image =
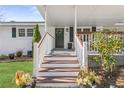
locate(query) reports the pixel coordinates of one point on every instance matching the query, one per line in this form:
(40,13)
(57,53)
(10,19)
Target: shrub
(107,44)
(87,78)
(22,79)
(12,56)
(3,57)
(36,35)
(19,53)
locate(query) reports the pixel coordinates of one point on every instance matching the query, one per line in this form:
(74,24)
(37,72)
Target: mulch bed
(112,80)
(17,59)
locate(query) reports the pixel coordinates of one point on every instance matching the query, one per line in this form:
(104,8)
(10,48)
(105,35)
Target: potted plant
(87,79)
(23,80)
(19,53)
(12,56)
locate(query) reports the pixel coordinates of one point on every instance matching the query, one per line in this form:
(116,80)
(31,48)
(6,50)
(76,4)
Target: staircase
(120,77)
(59,69)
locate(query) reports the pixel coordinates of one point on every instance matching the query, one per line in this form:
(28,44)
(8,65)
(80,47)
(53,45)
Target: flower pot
(19,54)
(11,56)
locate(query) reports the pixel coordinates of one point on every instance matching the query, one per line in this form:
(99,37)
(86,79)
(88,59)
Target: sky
(20,13)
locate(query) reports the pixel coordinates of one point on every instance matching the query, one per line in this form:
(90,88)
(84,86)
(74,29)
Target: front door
(59,35)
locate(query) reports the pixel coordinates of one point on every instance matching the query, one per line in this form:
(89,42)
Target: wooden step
(57,79)
(55,55)
(58,74)
(60,62)
(60,65)
(57,85)
(59,69)
(60,58)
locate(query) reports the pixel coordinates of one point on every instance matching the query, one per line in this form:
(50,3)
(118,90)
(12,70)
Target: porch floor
(59,69)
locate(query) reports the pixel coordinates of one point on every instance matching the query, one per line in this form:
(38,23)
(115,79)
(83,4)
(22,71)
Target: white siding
(11,45)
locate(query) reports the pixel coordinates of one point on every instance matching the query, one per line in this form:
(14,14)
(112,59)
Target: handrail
(44,38)
(80,42)
(81,51)
(90,37)
(120,32)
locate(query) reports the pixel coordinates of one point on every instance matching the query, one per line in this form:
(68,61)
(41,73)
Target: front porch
(59,68)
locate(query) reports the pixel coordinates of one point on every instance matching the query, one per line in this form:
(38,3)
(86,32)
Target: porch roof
(101,15)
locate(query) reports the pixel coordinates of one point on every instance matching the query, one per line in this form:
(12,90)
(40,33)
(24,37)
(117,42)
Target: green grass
(7,72)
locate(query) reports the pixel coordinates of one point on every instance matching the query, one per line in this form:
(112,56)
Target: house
(61,53)
(17,36)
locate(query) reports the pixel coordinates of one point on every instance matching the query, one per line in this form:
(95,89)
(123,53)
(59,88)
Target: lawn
(7,72)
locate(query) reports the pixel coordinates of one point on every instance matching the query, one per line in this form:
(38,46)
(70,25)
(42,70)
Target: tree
(36,35)
(107,44)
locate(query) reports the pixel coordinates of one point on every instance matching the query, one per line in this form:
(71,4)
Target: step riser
(58,74)
(59,70)
(60,58)
(56,85)
(61,62)
(60,65)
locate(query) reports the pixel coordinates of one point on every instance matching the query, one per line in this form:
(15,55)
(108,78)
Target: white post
(75,25)
(46,27)
(84,55)
(45,19)
(35,60)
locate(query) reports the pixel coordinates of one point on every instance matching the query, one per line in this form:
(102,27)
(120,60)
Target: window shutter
(13,32)
(71,34)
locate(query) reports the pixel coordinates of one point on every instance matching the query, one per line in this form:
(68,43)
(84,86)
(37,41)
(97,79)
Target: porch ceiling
(101,15)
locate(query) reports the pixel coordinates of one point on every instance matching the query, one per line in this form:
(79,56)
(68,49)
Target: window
(13,32)
(21,32)
(86,30)
(78,29)
(29,32)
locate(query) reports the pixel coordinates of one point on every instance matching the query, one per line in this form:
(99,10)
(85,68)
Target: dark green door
(59,35)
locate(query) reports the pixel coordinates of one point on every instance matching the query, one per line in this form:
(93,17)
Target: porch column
(75,19)
(75,26)
(45,18)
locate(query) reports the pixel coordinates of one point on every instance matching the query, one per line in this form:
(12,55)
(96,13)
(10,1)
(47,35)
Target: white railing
(89,37)
(41,49)
(81,52)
